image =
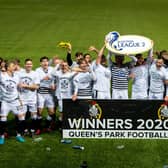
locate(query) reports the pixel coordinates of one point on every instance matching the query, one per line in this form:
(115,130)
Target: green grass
(32,28)
(98,153)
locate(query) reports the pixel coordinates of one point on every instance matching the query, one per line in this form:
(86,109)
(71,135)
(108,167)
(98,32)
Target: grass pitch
(32,28)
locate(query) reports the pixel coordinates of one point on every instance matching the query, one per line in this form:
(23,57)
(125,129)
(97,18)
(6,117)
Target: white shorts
(84,97)
(139,95)
(31,107)
(101,95)
(14,107)
(119,94)
(156,96)
(45,100)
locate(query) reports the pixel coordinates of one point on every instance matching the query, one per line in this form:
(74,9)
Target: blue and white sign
(127,44)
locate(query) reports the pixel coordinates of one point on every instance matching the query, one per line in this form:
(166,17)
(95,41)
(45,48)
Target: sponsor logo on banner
(163,112)
(95,110)
(127,44)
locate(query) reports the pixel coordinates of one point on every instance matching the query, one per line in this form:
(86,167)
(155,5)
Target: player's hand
(22,85)
(46,78)
(69,47)
(152,42)
(74,97)
(166,98)
(132,75)
(52,87)
(92,48)
(105,41)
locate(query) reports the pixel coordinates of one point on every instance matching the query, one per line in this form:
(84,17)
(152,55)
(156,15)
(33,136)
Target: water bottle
(78,147)
(120,147)
(165,166)
(66,141)
(84,165)
(48,149)
(37,139)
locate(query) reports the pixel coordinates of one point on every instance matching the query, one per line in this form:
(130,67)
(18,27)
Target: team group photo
(107,59)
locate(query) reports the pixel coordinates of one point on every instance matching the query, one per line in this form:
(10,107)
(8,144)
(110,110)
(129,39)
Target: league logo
(127,44)
(111,38)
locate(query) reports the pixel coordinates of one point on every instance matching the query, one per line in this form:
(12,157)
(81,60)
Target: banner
(127,44)
(139,119)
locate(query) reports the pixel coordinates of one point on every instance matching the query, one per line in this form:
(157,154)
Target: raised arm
(150,57)
(133,61)
(93,48)
(69,51)
(100,54)
(109,61)
(75,93)
(92,74)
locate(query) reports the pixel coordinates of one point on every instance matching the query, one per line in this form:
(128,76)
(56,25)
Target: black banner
(115,119)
